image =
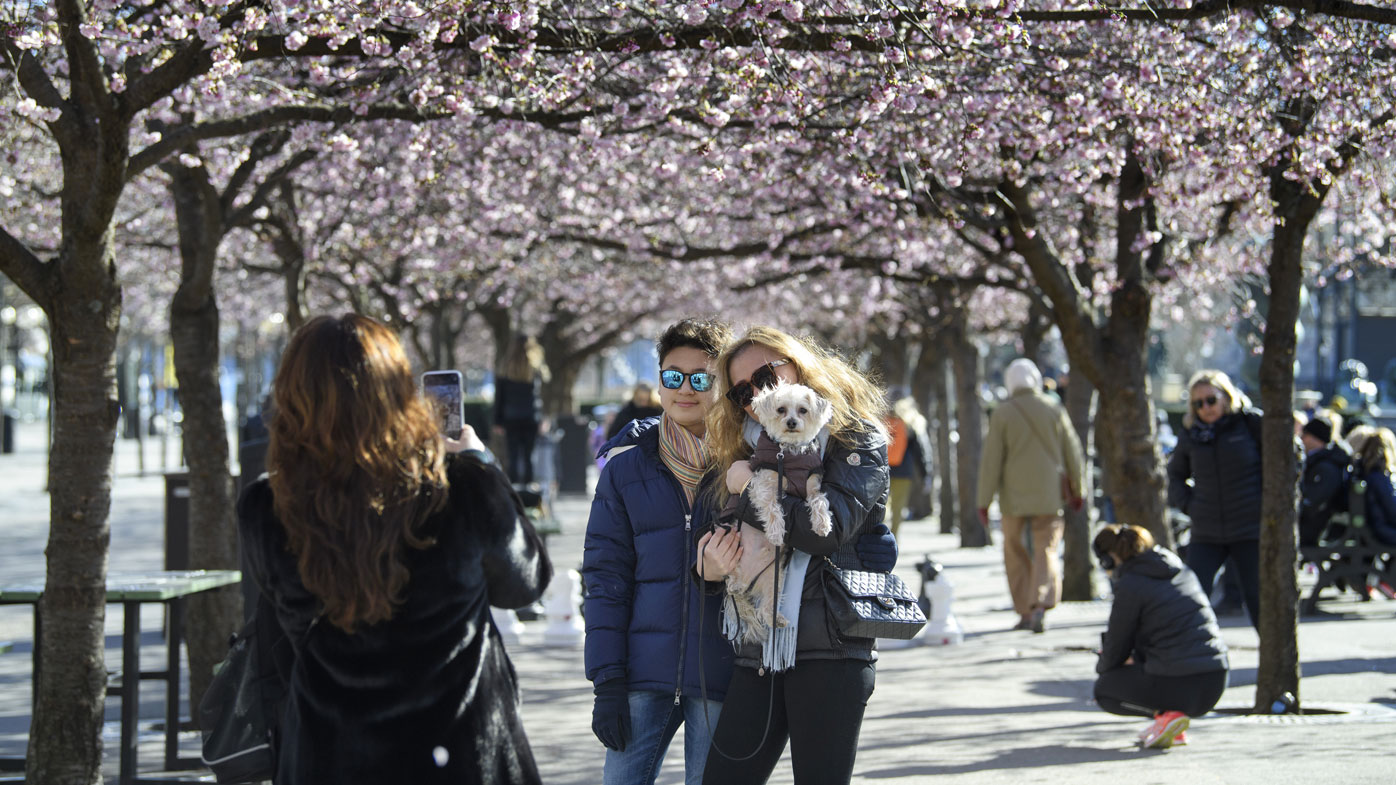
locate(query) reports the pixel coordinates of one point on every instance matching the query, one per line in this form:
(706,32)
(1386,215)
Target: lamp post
(8,370)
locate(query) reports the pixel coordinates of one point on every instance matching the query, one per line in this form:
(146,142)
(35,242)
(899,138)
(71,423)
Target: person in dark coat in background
(1323,486)
(1162,655)
(381,554)
(1374,457)
(517,408)
(643,404)
(1214,478)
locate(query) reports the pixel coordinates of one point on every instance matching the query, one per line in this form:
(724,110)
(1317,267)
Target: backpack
(237,713)
(241,708)
(897,440)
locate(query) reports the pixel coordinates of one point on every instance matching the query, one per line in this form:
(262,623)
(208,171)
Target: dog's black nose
(792,424)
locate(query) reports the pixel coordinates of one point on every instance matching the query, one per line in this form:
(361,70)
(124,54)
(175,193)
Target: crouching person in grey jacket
(1162,655)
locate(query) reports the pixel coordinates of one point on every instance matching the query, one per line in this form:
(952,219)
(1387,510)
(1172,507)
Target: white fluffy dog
(791,416)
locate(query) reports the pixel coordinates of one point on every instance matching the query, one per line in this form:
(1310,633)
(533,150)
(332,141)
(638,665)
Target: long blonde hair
(524,360)
(857,402)
(1374,447)
(1233,400)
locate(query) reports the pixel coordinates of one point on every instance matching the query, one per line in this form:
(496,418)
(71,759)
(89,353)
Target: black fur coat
(429,696)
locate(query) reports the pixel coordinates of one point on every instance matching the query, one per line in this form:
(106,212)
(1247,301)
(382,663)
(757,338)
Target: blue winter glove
(610,717)
(877,549)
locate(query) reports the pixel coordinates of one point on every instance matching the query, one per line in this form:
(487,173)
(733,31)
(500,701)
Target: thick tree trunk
(1278,671)
(1138,482)
(1078,576)
(919,502)
(557,391)
(969,421)
(1034,332)
(1113,355)
(213,545)
(890,361)
(944,463)
(65,743)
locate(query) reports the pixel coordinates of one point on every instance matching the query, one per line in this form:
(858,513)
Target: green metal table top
(157,586)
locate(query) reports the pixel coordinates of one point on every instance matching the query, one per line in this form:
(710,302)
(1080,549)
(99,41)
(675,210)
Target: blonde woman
(816,698)
(1219,450)
(1374,451)
(517,413)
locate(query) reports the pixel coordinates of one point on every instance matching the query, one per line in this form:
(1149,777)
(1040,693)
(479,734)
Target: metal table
(132,590)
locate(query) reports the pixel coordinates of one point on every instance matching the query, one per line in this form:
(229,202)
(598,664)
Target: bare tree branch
(28,271)
(243,215)
(267,118)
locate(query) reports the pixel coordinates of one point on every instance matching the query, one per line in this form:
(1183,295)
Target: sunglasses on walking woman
(762,378)
(1198,403)
(701,381)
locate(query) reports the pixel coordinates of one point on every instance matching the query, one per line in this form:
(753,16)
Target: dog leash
(775,606)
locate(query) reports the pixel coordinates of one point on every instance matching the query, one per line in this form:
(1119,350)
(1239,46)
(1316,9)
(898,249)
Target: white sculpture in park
(562,607)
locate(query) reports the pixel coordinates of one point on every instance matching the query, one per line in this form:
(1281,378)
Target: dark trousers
(519,436)
(817,706)
(1129,691)
(1205,558)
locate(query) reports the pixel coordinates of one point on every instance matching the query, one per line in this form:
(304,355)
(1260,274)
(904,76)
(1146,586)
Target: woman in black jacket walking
(381,556)
(1219,452)
(1162,655)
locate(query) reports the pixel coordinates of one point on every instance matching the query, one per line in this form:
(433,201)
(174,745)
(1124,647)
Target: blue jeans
(653,720)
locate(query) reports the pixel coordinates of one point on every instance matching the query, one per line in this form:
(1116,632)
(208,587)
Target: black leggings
(519,436)
(1129,691)
(1206,558)
(817,705)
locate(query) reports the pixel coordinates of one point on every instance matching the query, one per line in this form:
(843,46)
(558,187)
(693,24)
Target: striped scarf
(686,455)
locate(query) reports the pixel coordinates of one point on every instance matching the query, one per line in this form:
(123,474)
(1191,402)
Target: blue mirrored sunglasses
(701,381)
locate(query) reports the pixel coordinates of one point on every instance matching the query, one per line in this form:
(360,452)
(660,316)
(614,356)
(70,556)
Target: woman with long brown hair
(381,550)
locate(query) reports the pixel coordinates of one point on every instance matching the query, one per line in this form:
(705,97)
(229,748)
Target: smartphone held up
(444,390)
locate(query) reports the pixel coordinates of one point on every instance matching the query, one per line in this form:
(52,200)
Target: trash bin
(7,431)
(177,521)
(574,454)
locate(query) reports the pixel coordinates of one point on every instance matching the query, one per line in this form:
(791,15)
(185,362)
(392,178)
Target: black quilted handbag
(872,604)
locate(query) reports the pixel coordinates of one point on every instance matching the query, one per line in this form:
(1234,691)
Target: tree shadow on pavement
(1007,759)
(1241,677)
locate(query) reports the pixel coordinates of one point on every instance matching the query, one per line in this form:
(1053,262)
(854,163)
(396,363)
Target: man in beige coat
(1032,461)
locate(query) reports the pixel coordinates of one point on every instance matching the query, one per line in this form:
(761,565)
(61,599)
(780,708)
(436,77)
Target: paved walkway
(1003,707)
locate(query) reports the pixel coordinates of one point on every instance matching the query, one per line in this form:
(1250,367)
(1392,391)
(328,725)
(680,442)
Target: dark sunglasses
(701,381)
(1198,403)
(762,378)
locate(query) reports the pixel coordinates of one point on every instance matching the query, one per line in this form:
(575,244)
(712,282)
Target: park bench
(1348,555)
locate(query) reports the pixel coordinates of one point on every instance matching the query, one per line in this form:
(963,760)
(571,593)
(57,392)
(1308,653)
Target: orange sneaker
(1167,725)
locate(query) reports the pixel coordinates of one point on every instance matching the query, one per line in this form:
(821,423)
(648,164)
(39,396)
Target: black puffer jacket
(856,483)
(428,696)
(1223,463)
(1322,490)
(1161,618)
